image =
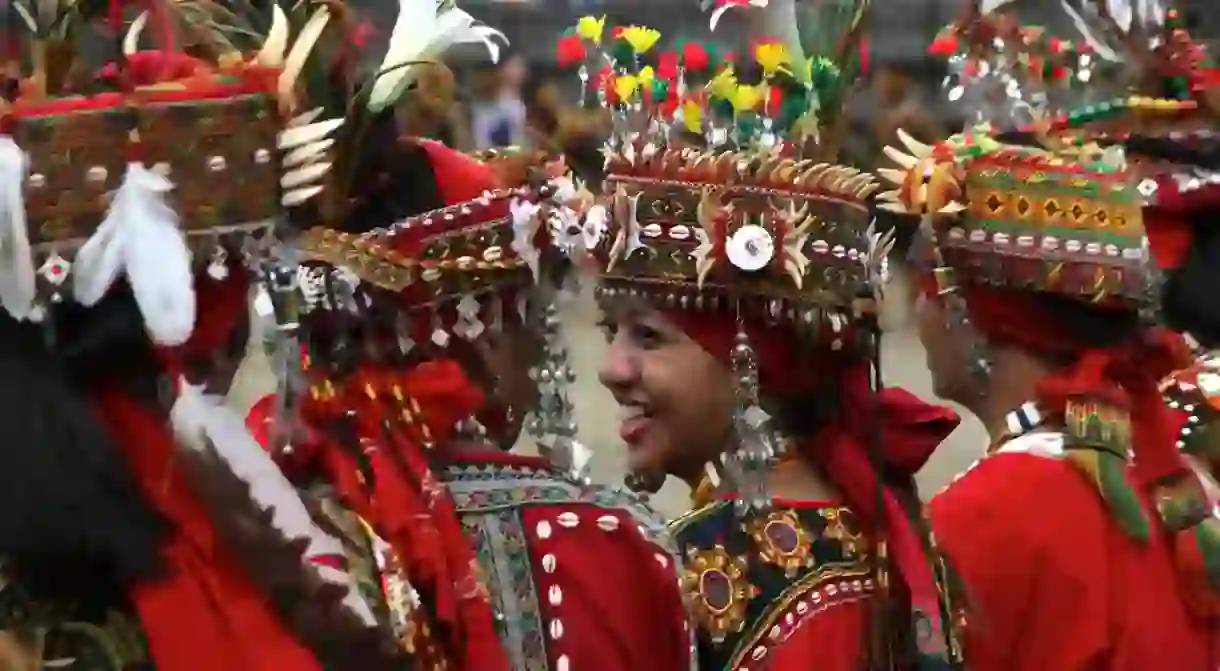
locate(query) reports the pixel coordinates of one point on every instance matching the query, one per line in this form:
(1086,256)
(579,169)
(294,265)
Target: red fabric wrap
(221,305)
(204,614)
(1126,376)
(1169,224)
(908,431)
(410,508)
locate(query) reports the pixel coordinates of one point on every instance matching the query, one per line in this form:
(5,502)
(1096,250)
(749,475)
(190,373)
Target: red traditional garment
(906,432)
(1052,580)
(582,546)
(204,614)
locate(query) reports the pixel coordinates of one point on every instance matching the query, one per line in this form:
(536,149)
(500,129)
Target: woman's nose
(619,367)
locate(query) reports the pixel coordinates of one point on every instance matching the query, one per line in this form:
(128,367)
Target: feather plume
(310,607)
(1090,36)
(18,283)
(423,31)
(140,238)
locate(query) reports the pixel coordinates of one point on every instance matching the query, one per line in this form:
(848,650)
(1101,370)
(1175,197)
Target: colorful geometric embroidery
(490,499)
(751,584)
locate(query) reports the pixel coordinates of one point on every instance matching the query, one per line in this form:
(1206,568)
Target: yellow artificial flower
(692,116)
(640,38)
(772,57)
(723,84)
(746,98)
(591,28)
(625,87)
(647,74)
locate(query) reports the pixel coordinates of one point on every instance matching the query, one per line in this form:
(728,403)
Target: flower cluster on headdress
(1018,75)
(697,88)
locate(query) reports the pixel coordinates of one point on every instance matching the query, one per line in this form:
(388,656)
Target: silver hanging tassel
(280,284)
(749,462)
(554,422)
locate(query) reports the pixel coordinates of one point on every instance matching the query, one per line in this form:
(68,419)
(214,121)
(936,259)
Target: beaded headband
(697,223)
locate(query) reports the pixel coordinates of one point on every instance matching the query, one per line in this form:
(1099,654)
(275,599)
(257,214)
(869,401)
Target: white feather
(131,41)
(140,237)
(989,6)
(200,419)
(424,31)
(18,281)
(1086,32)
(1121,12)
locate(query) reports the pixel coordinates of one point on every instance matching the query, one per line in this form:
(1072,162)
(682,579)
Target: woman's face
(507,357)
(675,399)
(945,347)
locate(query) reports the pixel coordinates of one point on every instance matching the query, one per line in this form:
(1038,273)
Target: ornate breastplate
(750,583)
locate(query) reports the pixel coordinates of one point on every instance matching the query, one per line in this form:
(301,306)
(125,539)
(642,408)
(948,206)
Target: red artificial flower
(864,56)
(667,65)
(695,56)
(605,82)
(775,102)
(1055,45)
(943,46)
(569,51)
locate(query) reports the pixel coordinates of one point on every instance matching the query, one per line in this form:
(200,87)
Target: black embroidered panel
(750,583)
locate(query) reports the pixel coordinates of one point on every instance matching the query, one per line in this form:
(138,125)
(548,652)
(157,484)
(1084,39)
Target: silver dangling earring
(749,462)
(470,429)
(553,424)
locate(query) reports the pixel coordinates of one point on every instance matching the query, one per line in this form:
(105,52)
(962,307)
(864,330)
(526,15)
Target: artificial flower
(625,87)
(692,116)
(745,98)
(646,75)
(695,56)
(772,57)
(667,65)
(570,51)
(591,28)
(723,84)
(640,38)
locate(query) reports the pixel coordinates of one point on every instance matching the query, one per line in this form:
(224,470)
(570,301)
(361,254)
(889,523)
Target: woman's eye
(608,328)
(645,336)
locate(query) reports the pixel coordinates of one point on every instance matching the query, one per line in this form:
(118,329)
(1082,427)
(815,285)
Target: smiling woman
(738,291)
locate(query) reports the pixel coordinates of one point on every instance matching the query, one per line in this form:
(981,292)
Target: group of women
(370,513)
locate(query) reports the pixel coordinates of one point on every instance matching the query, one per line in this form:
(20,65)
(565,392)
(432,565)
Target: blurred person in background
(497,111)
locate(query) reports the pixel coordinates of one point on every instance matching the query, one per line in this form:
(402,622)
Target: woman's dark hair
(65,489)
(1093,327)
(1190,300)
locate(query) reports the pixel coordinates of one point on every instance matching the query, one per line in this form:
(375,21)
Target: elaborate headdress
(1089,210)
(727,212)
